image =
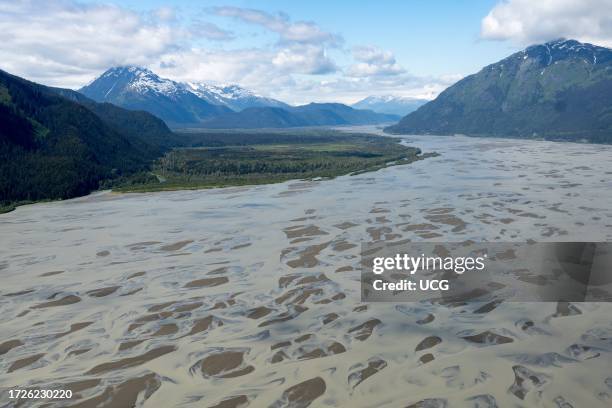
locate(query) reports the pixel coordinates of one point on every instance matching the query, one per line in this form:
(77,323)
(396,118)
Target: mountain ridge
(390,104)
(559,90)
(313,114)
(233,96)
(138,88)
(201,105)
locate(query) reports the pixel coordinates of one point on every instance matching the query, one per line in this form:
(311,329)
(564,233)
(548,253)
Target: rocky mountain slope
(559,90)
(138,88)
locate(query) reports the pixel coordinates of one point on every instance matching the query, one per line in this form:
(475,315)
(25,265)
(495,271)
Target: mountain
(138,125)
(53,146)
(314,114)
(394,105)
(256,118)
(233,96)
(138,88)
(204,105)
(339,114)
(559,90)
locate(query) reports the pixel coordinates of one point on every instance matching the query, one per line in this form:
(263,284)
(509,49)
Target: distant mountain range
(313,114)
(209,106)
(394,105)
(232,96)
(559,90)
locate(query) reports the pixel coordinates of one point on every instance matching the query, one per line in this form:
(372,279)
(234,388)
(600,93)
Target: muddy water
(250,296)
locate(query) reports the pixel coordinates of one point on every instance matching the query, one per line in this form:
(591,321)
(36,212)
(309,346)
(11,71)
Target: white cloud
(65,43)
(304,59)
(352,89)
(251,67)
(210,31)
(300,31)
(373,55)
(302,46)
(364,69)
(527,21)
(373,61)
(165,13)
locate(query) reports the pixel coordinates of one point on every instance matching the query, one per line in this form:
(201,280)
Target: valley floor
(224,297)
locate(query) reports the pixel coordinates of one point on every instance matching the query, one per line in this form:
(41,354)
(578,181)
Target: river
(251,294)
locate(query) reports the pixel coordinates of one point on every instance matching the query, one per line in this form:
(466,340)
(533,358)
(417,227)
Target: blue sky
(424,35)
(296,51)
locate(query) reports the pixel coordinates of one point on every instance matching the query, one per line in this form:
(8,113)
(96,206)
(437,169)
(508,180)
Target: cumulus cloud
(373,55)
(349,90)
(210,31)
(65,43)
(300,31)
(251,67)
(301,46)
(373,61)
(266,71)
(165,13)
(304,59)
(526,21)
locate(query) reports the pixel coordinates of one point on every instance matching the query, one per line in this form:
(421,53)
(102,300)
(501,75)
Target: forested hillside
(52,147)
(560,90)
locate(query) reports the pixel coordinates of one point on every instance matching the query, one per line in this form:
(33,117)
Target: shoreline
(185,187)
(375,131)
(213,293)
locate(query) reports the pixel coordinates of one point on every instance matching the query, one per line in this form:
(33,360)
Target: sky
(297,51)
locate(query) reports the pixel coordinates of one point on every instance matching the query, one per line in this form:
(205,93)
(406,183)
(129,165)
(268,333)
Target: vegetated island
(237,158)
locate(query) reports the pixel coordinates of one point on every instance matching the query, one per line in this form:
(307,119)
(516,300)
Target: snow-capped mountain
(120,80)
(559,90)
(205,105)
(138,88)
(395,105)
(232,96)
(175,102)
(562,49)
